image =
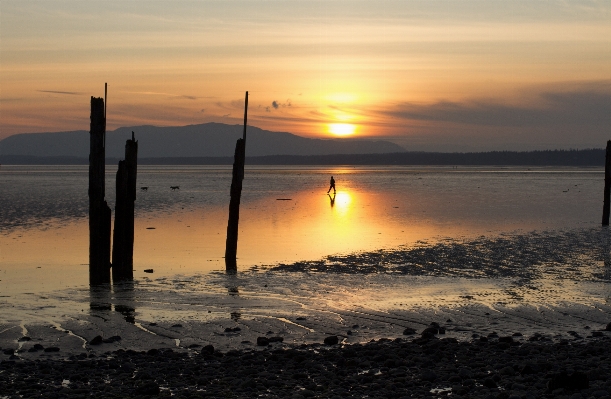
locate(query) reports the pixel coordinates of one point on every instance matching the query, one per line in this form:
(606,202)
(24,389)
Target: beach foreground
(489,367)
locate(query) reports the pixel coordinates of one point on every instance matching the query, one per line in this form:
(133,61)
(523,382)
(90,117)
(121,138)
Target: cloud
(551,109)
(275,104)
(188,97)
(70,93)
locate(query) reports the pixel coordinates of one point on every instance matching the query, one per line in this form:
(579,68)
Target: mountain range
(205,140)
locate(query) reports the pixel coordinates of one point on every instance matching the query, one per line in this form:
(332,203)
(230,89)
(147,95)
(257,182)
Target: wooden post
(231,245)
(99,212)
(123,238)
(607,196)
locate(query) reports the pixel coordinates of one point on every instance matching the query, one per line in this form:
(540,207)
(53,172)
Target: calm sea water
(286,215)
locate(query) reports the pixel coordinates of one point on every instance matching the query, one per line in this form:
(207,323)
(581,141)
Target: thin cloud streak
(70,93)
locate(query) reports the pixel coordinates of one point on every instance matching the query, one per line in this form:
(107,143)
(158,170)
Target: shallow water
(404,240)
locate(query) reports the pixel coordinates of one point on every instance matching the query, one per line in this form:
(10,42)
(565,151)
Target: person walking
(331,185)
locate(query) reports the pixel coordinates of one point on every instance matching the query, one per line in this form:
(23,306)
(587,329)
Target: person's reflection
(332,199)
(124,300)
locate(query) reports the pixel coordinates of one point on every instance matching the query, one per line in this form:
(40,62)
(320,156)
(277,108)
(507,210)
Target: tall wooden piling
(99,212)
(123,237)
(231,245)
(607,195)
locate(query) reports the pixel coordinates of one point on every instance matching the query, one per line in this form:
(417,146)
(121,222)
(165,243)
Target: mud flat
(488,317)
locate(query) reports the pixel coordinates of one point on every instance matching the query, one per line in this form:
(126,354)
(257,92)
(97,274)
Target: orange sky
(430,75)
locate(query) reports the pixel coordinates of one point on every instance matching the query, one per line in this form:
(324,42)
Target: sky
(429,75)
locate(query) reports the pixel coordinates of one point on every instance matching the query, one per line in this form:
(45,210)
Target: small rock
(428,375)
(276,339)
(177,326)
(207,350)
(409,331)
(262,341)
(608,327)
(97,340)
(506,339)
(24,339)
(331,340)
(52,349)
(148,270)
(148,388)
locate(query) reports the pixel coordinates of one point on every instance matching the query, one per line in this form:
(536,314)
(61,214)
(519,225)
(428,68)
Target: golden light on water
(342,129)
(342,202)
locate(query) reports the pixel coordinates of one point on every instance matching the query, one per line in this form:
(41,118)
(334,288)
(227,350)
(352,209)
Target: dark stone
(148,388)
(506,339)
(409,331)
(608,327)
(489,383)
(177,326)
(301,318)
(112,339)
(331,340)
(24,338)
(430,330)
(276,339)
(153,352)
(38,347)
(575,381)
(597,333)
(97,340)
(207,350)
(52,349)
(262,341)
(8,351)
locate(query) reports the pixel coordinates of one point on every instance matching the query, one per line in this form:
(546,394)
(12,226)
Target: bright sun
(342,129)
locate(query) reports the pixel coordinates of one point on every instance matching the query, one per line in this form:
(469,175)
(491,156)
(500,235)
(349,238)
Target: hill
(205,140)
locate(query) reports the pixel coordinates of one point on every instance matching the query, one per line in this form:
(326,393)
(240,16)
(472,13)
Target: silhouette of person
(332,199)
(331,185)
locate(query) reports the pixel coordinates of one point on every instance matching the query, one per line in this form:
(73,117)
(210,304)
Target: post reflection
(125,300)
(100,298)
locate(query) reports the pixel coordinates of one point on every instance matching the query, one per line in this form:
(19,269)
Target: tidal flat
(508,265)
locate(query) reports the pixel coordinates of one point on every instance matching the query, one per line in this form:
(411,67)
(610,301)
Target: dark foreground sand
(425,366)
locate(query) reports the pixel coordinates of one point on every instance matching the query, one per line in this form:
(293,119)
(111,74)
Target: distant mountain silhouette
(206,140)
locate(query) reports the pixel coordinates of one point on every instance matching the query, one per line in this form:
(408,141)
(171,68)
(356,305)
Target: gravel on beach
(427,366)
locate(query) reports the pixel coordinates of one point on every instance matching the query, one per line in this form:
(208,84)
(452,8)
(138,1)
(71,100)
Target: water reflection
(100,298)
(332,199)
(125,300)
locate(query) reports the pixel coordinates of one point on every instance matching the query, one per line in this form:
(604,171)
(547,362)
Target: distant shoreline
(587,158)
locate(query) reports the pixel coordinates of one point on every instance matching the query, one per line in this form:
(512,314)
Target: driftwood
(99,212)
(231,245)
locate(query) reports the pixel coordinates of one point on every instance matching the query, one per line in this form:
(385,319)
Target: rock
(262,341)
(506,339)
(275,339)
(153,352)
(114,338)
(575,381)
(148,388)
(331,340)
(148,270)
(428,375)
(38,347)
(207,350)
(24,339)
(409,331)
(177,326)
(52,349)
(8,351)
(301,318)
(430,330)
(489,383)
(597,333)
(97,340)
(608,327)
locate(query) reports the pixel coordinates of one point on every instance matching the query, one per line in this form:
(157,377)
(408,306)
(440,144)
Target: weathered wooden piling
(607,195)
(99,212)
(123,237)
(231,245)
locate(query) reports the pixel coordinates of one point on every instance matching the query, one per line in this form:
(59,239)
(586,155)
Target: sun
(342,129)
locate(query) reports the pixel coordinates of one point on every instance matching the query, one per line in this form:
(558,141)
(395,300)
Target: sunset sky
(428,75)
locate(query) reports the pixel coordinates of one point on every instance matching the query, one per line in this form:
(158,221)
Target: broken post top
(97,112)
